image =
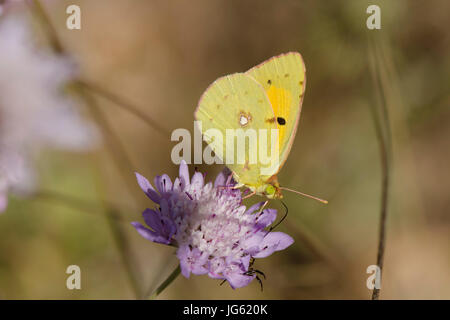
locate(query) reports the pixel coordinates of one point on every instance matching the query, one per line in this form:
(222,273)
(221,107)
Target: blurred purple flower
(215,234)
(34,112)
(6,4)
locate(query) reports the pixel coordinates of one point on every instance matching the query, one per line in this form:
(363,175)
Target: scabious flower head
(34,112)
(215,234)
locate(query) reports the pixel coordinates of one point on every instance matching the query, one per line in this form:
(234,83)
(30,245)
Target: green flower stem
(73,202)
(124,250)
(122,103)
(166,283)
(381,121)
(49,29)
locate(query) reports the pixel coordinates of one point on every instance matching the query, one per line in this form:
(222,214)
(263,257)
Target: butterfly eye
(270,190)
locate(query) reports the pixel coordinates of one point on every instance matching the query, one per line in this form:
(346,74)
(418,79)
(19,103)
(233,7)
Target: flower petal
(183,255)
(252,244)
(149,234)
(273,241)
(177,185)
(163,184)
(265,218)
(197,181)
(255,207)
(198,268)
(168,225)
(192,261)
(184,174)
(147,187)
(245,261)
(238,279)
(216,267)
(153,219)
(220,180)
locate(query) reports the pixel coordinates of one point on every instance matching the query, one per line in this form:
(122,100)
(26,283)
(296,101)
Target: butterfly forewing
(283,78)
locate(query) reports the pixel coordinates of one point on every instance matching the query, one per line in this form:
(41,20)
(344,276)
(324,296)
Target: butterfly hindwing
(236,102)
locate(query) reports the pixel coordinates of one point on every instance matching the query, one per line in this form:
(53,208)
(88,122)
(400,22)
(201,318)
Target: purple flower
(35,114)
(215,234)
(7,5)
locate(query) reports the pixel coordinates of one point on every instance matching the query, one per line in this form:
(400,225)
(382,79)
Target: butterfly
(269,96)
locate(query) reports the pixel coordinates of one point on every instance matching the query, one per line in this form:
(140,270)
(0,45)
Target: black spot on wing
(281,121)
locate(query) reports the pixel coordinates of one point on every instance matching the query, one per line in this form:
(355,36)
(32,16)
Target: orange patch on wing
(281,100)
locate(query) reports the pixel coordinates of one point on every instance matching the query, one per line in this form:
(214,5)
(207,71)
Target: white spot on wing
(243,120)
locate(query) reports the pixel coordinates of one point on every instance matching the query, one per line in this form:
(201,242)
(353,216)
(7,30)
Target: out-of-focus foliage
(161,56)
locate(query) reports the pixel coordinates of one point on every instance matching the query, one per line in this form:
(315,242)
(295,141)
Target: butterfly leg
(260,282)
(282,219)
(249,195)
(229,179)
(263,206)
(260,273)
(252,272)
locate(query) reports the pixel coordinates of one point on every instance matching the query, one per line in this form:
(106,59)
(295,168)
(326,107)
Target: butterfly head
(273,190)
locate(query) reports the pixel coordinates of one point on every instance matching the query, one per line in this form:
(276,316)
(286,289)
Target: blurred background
(160,56)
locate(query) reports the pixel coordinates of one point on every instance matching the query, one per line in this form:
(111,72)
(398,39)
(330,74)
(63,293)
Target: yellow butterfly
(268,96)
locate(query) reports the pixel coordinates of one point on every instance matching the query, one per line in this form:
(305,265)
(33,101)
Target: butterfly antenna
(304,194)
(282,219)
